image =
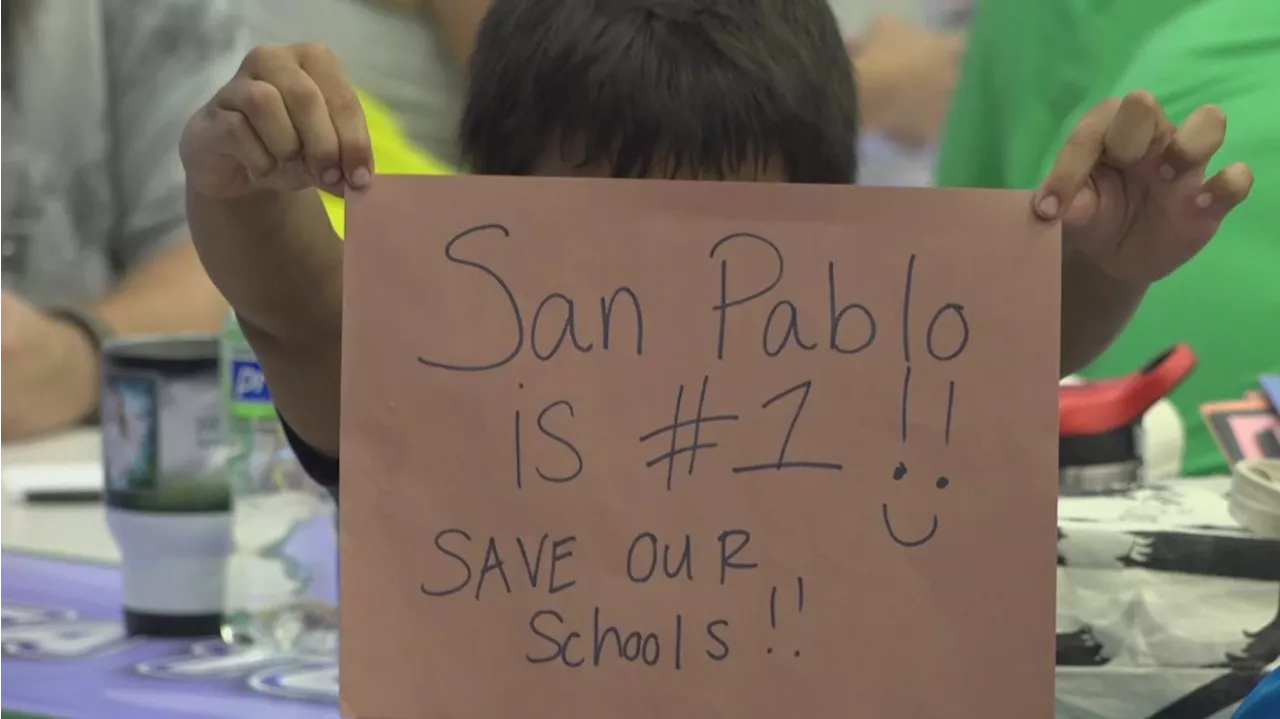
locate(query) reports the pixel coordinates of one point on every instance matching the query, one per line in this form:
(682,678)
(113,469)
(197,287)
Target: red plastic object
(1104,406)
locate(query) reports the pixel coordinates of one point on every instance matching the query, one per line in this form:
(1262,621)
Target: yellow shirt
(393,153)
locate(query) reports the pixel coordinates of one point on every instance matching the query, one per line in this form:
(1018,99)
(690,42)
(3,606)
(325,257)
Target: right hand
(906,75)
(288,120)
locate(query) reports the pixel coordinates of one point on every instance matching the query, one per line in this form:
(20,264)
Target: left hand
(906,75)
(50,375)
(1131,191)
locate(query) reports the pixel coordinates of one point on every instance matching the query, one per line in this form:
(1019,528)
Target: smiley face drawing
(899,473)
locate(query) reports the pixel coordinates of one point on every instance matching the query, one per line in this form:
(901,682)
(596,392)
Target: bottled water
(282,575)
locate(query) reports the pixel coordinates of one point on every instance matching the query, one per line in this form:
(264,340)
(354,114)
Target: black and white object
(1255,496)
(168,503)
(1100,425)
(1168,608)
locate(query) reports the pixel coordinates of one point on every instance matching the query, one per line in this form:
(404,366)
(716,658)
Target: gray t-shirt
(96,94)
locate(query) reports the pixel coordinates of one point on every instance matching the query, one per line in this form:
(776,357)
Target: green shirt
(1225,303)
(1030,65)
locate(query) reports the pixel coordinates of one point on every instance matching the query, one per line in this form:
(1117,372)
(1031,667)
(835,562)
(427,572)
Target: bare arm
(164,58)
(287,123)
(170,293)
(1095,308)
(278,261)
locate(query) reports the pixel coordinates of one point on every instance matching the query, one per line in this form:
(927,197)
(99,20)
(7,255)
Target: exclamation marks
(773,609)
(906,345)
(951,405)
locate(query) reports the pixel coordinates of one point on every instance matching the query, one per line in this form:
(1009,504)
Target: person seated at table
(95,96)
(906,73)
(748,90)
(1025,74)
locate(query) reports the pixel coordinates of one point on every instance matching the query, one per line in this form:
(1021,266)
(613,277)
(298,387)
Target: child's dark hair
(700,88)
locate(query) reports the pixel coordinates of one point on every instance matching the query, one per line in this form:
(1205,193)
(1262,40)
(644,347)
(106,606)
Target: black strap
(321,467)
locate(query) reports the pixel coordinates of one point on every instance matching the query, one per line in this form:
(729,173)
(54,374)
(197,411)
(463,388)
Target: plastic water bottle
(282,576)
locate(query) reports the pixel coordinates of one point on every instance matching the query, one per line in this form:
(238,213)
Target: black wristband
(97,331)
(87,321)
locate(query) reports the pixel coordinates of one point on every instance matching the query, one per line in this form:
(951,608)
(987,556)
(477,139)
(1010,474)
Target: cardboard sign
(695,450)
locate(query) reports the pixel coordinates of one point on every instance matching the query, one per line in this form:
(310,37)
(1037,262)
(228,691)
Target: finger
(1133,129)
(1165,130)
(1080,153)
(261,105)
(345,112)
(1225,190)
(1195,142)
(245,144)
(308,114)
(1083,206)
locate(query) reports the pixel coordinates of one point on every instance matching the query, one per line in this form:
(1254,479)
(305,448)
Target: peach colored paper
(525,536)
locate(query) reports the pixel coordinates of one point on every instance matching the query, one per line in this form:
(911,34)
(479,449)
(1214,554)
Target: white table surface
(77,531)
(1121,689)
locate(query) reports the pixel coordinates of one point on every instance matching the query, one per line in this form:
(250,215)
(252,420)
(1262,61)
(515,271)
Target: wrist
(260,210)
(78,358)
(1094,273)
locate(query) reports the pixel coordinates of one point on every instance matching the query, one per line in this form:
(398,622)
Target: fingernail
(1168,173)
(1204,200)
(331,176)
(1048,206)
(360,177)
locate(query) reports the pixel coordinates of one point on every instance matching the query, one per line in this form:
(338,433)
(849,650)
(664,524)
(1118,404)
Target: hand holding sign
(697,450)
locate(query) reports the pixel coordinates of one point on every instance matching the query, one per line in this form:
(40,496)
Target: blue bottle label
(248,384)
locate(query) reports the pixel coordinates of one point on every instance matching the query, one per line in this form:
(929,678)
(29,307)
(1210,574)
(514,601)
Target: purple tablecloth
(65,656)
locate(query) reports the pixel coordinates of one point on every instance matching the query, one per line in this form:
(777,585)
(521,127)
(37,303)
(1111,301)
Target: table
(65,654)
(78,531)
(1156,593)
(1167,609)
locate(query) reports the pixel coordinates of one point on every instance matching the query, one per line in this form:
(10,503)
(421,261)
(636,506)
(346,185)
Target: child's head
(708,89)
